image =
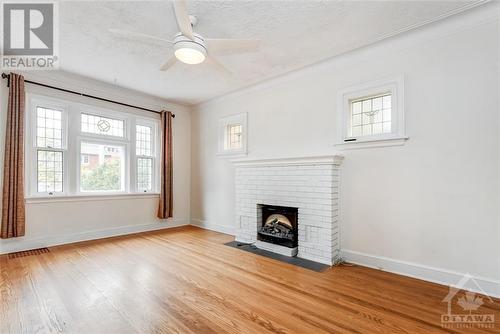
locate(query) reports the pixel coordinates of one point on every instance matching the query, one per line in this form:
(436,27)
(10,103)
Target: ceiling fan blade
(183,21)
(137,35)
(214,62)
(169,63)
(242,45)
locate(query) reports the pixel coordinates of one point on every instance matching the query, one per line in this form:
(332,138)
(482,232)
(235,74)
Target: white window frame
(394,86)
(72,138)
(155,151)
(224,123)
(125,167)
(31,145)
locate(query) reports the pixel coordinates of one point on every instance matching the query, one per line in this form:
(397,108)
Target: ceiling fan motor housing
(196,46)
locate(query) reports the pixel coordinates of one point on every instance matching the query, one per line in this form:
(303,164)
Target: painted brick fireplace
(309,184)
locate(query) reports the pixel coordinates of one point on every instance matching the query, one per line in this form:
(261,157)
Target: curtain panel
(166,193)
(13,217)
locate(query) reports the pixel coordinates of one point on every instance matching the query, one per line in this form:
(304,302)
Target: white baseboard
(213,227)
(426,273)
(25,243)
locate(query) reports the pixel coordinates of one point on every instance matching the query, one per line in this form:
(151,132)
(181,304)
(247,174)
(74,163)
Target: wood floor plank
(185,280)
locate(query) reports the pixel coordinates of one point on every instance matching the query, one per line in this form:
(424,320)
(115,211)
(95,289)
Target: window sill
(88,198)
(396,141)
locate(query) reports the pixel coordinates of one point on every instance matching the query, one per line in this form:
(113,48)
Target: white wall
(434,202)
(51,223)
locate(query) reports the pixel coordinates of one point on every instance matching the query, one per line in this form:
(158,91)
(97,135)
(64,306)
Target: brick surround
(310,184)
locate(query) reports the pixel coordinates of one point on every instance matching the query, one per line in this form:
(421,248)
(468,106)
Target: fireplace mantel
(290,161)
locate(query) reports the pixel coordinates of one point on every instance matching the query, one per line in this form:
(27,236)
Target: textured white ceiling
(293,33)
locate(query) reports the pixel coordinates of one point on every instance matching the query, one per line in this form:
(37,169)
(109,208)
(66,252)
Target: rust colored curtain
(166,201)
(13,170)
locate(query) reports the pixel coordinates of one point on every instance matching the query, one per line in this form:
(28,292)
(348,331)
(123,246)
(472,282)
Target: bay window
(75,149)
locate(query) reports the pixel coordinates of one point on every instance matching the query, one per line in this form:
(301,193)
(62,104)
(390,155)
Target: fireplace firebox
(278,225)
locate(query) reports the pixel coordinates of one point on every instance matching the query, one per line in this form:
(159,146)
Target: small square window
(372,114)
(232,135)
(368,113)
(233,138)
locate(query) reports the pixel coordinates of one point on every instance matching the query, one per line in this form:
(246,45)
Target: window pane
(377,103)
(143,140)
(144,174)
(48,128)
(387,127)
(387,115)
(377,128)
(102,167)
(49,171)
(233,138)
(371,116)
(102,125)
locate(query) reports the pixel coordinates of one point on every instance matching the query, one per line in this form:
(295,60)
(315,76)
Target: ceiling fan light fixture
(190,56)
(189,51)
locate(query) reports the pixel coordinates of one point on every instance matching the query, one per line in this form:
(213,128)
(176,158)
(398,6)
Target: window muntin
(144,140)
(105,169)
(49,171)
(144,174)
(49,125)
(370,115)
(233,137)
(101,125)
(48,148)
(145,157)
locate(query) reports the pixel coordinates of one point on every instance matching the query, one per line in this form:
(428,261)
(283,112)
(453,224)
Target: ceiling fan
(192,48)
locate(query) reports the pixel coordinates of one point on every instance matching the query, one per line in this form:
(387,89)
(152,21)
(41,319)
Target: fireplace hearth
(278,225)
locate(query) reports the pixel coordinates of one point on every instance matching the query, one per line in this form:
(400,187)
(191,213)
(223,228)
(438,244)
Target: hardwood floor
(185,280)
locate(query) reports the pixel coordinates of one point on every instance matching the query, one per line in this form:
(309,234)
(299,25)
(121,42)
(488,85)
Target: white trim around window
(392,135)
(153,155)
(120,148)
(228,146)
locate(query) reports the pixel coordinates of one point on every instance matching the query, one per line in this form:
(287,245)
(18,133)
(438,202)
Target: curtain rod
(7,76)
